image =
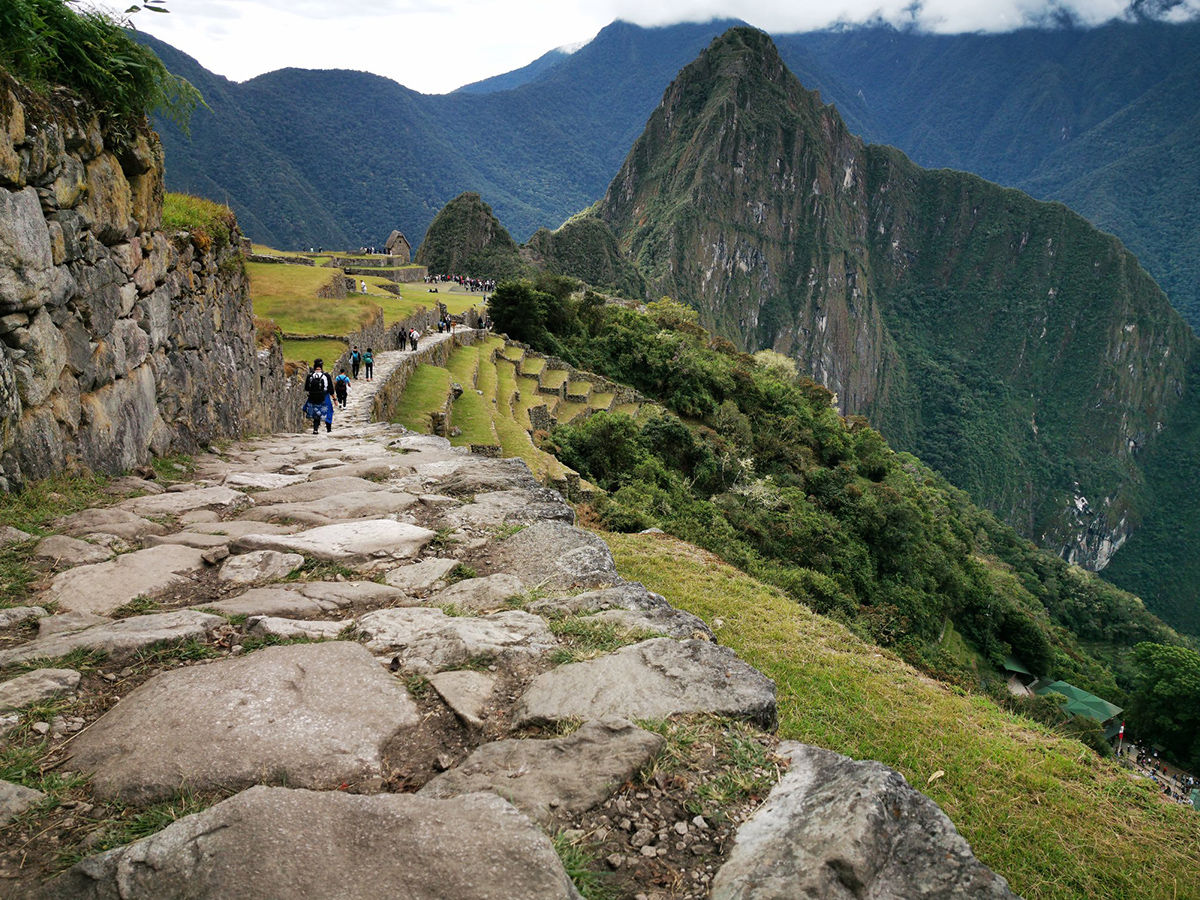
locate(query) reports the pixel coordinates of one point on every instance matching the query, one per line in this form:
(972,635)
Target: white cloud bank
(437,45)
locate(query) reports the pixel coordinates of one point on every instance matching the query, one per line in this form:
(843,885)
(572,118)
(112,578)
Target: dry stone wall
(117,338)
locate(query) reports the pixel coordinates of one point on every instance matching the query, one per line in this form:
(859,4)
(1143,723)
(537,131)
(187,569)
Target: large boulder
(833,827)
(276,842)
(651,680)
(556,778)
(315,715)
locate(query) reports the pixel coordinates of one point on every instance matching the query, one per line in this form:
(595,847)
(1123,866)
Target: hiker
(341,386)
(369,362)
(319,386)
(363,288)
(413,336)
(355,362)
(401,338)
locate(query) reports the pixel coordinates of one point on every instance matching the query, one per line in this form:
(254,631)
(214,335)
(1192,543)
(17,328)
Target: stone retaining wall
(600,384)
(387,398)
(399,276)
(117,339)
(334,289)
(279,260)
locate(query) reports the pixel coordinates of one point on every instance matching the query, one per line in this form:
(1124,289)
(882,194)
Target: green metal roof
(1012,664)
(1080,702)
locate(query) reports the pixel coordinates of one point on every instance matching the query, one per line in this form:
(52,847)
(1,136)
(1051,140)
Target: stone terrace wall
(117,340)
(387,398)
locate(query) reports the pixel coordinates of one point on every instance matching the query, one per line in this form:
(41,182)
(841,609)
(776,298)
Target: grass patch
(424,394)
(288,295)
(583,637)
(133,823)
(138,606)
(253,642)
(80,659)
(322,570)
(1043,811)
(305,350)
(169,652)
(584,869)
(211,224)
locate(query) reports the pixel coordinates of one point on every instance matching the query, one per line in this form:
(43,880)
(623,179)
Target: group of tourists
(323,390)
(487,285)
(409,337)
(1174,783)
(360,360)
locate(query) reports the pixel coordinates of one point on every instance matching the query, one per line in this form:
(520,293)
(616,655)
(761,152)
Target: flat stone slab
(371,542)
(555,555)
(422,577)
(428,640)
(273,626)
(16,614)
(269,601)
(264,480)
(359,594)
(131,484)
(379,469)
(317,715)
(630,605)
(120,522)
(236,528)
(833,827)
(277,842)
(480,594)
(188,539)
(62,550)
(522,507)
(468,474)
(36,686)
(556,778)
(466,692)
(651,680)
(317,490)
(119,638)
(64,623)
(173,503)
(259,565)
(342,507)
(103,587)
(16,799)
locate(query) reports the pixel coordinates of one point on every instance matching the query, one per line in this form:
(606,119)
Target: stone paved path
(444,603)
(358,401)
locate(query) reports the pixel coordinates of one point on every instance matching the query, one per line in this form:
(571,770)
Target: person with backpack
(341,386)
(369,362)
(355,362)
(319,387)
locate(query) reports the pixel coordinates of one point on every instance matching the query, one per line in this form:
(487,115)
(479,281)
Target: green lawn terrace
(301,301)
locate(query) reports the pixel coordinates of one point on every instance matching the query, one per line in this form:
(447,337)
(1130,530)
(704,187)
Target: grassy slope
(308,350)
(287,294)
(425,392)
(1041,810)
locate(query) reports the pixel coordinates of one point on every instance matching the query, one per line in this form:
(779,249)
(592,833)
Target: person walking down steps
(369,364)
(341,386)
(319,387)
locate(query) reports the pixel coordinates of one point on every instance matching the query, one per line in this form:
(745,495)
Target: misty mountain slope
(1004,340)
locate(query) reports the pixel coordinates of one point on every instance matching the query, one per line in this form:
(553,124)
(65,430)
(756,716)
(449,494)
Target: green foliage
(52,42)
(211,224)
(1166,701)
(759,469)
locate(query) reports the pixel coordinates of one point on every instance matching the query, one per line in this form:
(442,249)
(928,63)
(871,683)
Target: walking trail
(372,664)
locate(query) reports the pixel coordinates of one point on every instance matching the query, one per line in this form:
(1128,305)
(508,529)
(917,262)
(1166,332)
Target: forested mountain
(1105,120)
(1006,341)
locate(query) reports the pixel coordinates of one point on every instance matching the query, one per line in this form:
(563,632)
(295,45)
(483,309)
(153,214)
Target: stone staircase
(373,664)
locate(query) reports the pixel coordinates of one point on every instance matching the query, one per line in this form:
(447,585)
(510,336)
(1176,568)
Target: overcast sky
(434,46)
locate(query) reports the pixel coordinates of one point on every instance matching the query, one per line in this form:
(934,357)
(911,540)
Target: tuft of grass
(1008,782)
(138,606)
(210,224)
(174,468)
(322,570)
(133,823)
(166,652)
(582,637)
(584,869)
(80,659)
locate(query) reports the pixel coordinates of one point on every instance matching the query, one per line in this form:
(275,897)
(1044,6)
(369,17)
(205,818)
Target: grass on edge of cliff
(306,350)
(211,224)
(1043,811)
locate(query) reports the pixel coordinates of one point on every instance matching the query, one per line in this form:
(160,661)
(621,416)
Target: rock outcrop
(118,338)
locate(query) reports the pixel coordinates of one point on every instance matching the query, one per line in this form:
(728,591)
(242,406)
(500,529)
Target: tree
(1166,700)
(519,311)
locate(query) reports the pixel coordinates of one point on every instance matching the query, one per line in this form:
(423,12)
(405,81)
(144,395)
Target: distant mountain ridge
(1006,341)
(1104,119)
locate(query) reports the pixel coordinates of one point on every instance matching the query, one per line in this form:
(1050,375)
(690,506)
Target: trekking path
(370,664)
(362,392)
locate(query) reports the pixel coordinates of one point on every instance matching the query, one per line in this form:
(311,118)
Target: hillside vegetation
(1048,815)
(1005,341)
